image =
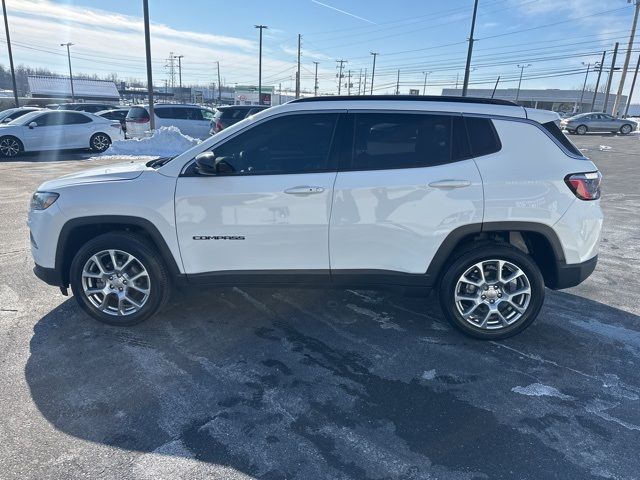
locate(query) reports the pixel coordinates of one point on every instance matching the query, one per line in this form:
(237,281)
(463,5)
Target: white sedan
(57,130)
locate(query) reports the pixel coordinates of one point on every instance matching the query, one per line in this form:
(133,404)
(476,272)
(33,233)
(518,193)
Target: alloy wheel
(115,282)
(100,143)
(492,294)
(9,147)
(625,129)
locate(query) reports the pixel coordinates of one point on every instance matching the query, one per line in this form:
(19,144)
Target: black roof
(413,98)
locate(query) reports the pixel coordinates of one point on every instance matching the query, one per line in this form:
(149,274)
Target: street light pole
(373,72)
(616,103)
(13,72)
(179,57)
(147,45)
(69,44)
(219,85)
(260,27)
(424,86)
(521,67)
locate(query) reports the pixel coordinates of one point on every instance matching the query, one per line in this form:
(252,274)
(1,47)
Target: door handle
(450,183)
(303,190)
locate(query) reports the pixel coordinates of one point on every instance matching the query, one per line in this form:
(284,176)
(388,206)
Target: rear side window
(555,131)
(75,119)
(387,141)
(483,138)
(165,112)
(233,113)
(138,113)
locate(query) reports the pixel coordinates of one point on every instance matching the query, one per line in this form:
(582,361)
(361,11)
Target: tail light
(585,186)
(218,126)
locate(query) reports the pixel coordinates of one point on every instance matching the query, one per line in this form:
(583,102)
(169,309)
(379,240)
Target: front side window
(397,140)
(283,145)
(207,114)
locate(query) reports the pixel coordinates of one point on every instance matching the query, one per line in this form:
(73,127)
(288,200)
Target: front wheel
(492,292)
(10,147)
(119,279)
(99,142)
(625,129)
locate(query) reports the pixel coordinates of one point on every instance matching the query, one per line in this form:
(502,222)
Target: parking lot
(306,384)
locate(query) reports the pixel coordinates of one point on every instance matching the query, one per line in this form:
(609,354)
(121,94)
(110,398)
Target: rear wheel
(581,129)
(100,142)
(626,129)
(492,292)
(10,147)
(118,279)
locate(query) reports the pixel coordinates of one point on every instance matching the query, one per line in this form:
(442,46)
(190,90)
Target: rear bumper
(572,274)
(50,276)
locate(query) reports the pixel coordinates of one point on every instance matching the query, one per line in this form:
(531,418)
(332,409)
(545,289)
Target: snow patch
(540,390)
(604,148)
(165,142)
(429,375)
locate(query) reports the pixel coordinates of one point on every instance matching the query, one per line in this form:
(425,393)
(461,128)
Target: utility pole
(69,44)
(457,77)
(147,44)
(364,88)
(298,71)
(340,62)
(280,93)
(359,81)
(627,58)
(467,72)
(315,81)
(179,57)
(521,67)
(633,85)
(13,72)
(584,84)
(595,93)
(398,83)
(373,72)
(495,87)
(424,86)
(610,79)
(349,82)
(219,85)
(260,27)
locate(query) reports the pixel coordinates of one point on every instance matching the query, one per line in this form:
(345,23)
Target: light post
(424,86)
(373,71)
(69,44)
(260,27)
(584,84)
(521,67)
(13,72)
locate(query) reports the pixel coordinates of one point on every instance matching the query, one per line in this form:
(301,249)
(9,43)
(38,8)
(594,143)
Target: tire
(482,322)
(626,129)
(140,291)
(10,146)
(99,142)
(581,129)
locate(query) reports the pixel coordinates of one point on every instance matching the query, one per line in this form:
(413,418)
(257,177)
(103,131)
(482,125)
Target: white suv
(192,120)
(483,200)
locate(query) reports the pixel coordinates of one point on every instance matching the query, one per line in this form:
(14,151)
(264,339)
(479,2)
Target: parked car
(10,114)
(483,200)
(57,130)
(85,107)
(192,120)
(228,115)
(598,122)
(119,114)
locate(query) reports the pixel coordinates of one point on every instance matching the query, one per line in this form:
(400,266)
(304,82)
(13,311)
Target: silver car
(597,122)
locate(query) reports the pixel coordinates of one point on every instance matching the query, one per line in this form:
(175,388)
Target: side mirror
(6,120)
(33,125)
(208,164)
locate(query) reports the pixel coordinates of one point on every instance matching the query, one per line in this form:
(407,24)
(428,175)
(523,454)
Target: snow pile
(637,120)
(604,148)
(165,142)
(540,390)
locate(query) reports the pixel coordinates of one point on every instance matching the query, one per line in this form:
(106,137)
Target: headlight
(43,200)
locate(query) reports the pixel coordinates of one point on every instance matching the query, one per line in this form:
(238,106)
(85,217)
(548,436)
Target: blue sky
(415,36)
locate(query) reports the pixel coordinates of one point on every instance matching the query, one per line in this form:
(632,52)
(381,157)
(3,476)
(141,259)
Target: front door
(409,183)
(48,134)
(268,207)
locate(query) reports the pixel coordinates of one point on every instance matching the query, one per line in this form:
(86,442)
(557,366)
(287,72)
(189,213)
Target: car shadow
(349,384)
(51,156)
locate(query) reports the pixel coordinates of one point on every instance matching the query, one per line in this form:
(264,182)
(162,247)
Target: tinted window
(75,119)
(290,144)
(48,119)
(554,130)
(386,141)
(207,114)
(138,113)
(483,137)
(165,112)
(233,113)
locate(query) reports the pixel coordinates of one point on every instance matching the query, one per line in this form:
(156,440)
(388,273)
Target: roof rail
(412,98)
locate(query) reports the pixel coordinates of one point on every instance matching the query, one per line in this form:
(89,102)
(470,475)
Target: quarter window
(289,144)
(483,137)
(387,141)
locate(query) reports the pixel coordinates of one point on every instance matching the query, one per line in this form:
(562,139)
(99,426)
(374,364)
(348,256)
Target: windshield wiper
(159,162)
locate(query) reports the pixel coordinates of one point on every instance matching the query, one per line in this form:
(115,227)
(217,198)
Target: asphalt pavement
(268,383)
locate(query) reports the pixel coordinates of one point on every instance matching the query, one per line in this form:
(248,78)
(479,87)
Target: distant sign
(198,96)
(414,91)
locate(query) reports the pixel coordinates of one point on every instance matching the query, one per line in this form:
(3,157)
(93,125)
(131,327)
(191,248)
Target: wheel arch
(539,241)
(78,231)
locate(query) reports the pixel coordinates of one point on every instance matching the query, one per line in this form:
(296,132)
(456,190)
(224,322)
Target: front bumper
(572,274)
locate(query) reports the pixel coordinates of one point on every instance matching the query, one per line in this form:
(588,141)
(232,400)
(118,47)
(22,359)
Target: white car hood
(110,173)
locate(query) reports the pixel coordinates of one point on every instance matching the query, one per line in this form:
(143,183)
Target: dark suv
(86,107)
(227,116)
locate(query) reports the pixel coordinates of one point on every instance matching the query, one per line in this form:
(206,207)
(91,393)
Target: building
(248,95)
(570,101)
(42,86)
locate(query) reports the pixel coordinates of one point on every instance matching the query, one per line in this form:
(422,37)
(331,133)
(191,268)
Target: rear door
(269,211)
(77,131)
(409,182)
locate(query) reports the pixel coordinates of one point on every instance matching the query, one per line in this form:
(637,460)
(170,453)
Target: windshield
(25,119)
